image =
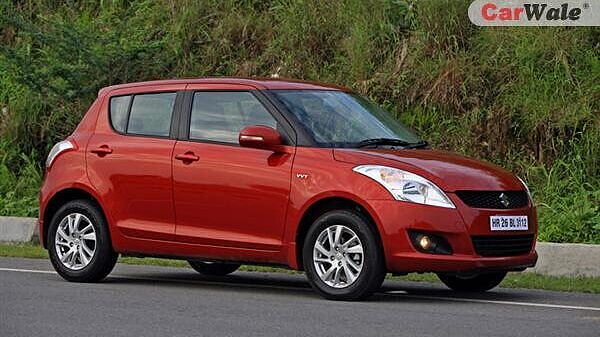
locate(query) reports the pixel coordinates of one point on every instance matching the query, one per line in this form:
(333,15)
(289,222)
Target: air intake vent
(494,199)
(502,245)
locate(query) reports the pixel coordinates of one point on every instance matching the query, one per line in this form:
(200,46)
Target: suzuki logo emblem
(504,200)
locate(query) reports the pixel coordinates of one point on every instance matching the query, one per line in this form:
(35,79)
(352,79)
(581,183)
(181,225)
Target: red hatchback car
(227,171)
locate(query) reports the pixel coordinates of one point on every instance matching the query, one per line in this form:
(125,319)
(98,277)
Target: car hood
(450,171)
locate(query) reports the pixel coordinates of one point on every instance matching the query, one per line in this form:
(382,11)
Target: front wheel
(472,283)
(342,256)
(213,268)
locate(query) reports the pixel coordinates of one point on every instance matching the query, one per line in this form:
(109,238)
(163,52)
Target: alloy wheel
(338,256)
(75,241)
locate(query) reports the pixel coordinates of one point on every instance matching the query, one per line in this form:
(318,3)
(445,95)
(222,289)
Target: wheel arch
(60,198)
(326,204)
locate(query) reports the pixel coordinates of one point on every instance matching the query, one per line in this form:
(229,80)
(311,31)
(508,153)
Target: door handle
(102,150)
(187,157)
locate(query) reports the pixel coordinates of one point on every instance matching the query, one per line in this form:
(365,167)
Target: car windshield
(341,119)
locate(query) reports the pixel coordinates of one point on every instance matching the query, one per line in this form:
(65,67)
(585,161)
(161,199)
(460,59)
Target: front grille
(502,245)
(494,199)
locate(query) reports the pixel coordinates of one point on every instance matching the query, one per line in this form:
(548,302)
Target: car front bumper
(456,226)
(420,262)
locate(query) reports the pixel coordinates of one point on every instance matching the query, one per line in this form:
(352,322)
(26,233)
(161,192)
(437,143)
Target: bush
(526,99)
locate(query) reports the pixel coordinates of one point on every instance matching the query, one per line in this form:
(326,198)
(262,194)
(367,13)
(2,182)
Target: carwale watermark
(535,13)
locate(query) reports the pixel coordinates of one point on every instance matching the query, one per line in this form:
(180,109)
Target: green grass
(513,280)
(23,250)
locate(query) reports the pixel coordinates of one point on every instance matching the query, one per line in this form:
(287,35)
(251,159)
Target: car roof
(258,83)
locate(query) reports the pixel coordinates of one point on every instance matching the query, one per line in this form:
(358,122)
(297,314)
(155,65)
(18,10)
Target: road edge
(555,259)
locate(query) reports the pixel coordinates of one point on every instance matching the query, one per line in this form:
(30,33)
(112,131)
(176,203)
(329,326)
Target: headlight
(57,149)
(406,186)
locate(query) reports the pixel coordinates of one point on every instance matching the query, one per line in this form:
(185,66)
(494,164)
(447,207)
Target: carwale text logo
(535,13)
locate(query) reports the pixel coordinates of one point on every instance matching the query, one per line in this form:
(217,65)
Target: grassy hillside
(527,99)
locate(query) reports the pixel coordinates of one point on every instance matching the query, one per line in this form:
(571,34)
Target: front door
(227,195)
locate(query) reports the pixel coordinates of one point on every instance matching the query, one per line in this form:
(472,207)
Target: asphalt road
(158,301)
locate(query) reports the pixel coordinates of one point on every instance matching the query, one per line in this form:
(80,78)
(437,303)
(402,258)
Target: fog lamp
(429,243)
(425,242)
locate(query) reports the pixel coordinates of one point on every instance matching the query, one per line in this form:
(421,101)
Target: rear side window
(220,116)
(151,114)
(119,107)
(143,114)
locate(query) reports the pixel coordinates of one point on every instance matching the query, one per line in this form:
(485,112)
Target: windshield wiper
(382,141)
(417,145)
(392,141)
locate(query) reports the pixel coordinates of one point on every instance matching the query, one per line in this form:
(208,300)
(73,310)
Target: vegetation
(513,280)
(527,99)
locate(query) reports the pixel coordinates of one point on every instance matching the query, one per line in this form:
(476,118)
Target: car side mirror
(261,137)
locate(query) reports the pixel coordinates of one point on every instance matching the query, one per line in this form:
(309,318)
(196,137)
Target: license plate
(509,223)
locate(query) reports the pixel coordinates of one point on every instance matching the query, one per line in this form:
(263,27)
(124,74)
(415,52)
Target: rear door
(227,195)
(129,160)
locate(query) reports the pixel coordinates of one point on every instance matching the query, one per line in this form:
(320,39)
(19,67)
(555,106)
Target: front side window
(151,114)
(341,119)
(220,116)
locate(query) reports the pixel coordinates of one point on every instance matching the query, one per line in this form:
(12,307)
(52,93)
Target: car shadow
(297,285)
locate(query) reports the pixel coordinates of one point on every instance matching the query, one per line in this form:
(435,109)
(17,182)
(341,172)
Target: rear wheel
(79,244)
(473,283)
(342,256)
(213,268)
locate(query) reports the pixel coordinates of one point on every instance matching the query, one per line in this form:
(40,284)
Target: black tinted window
(151,114)
(220,116)
(118,112)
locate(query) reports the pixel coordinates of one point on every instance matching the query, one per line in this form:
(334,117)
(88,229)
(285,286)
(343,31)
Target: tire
(329,273)
(213,268)
(80,265)
(477,283)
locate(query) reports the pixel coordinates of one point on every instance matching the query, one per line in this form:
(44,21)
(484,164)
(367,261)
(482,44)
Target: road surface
(159,301)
